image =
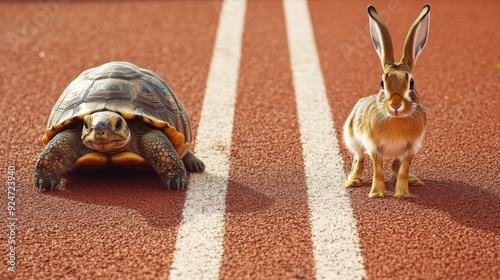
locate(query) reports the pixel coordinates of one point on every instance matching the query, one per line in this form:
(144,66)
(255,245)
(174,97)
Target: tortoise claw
(177,183)
(197,167)
(44,183)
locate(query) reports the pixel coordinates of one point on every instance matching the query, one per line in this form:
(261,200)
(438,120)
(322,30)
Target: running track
(268,85)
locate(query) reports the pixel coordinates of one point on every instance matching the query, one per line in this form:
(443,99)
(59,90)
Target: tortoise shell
(128,90)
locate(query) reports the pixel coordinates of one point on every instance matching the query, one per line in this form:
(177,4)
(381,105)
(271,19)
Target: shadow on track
(469,205)
(143,192)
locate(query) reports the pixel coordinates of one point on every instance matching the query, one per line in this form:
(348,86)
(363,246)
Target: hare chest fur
(371,130)
(397,148)
(390,149)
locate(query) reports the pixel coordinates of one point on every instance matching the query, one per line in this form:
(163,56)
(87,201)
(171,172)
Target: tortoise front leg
(55,159)
(161,155)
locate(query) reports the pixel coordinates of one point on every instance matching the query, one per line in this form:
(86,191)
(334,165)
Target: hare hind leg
(403,177)
(412,179)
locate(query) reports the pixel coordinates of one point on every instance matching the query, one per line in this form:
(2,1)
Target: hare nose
(395,107)
(396,101)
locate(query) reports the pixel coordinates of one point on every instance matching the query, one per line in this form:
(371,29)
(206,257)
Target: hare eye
(382,84)
(412,84)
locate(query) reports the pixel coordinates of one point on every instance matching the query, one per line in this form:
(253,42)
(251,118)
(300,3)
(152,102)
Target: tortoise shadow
(143,191)
(469,205)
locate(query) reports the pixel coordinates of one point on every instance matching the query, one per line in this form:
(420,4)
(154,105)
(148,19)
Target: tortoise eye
(119,125)
(85,123)
(382,84)
(412,84)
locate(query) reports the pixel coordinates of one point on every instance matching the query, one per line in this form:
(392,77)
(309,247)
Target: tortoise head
(105,132)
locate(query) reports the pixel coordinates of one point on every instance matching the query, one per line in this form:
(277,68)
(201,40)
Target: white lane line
(199,245)
(337,253)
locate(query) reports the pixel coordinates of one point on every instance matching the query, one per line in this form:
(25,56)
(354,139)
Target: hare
(390,124)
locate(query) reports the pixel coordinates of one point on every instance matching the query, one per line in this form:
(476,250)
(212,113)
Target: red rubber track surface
(123,225)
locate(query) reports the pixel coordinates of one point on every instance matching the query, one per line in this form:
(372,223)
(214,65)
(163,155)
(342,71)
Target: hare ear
(417,37)
(380,37)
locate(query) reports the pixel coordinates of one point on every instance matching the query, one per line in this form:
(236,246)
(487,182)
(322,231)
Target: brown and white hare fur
(390,124)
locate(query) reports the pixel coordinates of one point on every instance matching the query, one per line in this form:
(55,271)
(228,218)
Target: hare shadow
(469,205)
(143,191)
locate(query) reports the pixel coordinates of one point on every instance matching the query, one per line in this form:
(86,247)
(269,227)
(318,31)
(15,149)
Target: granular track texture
(120,224)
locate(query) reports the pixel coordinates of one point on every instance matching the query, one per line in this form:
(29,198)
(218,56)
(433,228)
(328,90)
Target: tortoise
(117,114)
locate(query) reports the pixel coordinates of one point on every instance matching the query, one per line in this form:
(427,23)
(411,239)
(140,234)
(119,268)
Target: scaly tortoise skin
(119,114)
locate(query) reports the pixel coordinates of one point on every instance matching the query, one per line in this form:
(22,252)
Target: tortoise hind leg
(192,163)
(161,155)
(56,158)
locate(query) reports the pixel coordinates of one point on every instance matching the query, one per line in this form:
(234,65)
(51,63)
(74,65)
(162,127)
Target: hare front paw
(353,182)
(402,195)
(377,189)
(402,190)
